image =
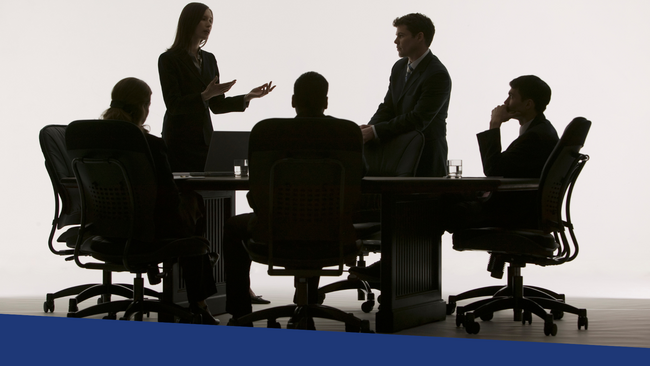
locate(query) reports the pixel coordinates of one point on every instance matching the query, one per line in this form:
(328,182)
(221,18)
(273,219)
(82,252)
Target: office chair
(67,215)
(547,245)
(117,180)
(397,157)
(305,176)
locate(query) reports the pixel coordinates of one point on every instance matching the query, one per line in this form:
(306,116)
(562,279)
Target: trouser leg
(237,265)
(199,278)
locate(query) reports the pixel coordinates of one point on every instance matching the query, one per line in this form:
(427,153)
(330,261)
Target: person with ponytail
(177,214)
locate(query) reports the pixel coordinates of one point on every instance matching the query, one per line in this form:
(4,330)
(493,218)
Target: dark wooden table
(411,253)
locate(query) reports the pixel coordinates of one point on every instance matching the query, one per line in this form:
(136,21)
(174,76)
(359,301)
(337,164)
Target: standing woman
(189,77)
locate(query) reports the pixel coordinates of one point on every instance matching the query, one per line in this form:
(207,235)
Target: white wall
(60,60)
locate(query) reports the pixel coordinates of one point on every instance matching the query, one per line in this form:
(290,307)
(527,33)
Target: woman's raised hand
(260,91)
(214,88)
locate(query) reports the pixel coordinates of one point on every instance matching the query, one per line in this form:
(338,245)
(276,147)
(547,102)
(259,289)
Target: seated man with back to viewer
(309,100)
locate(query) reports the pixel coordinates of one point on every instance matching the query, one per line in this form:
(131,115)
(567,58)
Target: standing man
(417,97)
(526,155)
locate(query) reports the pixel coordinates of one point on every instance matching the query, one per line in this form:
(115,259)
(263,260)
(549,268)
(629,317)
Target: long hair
(130,101)
(190,17)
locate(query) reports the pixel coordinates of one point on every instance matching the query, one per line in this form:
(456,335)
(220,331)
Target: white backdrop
(60,60)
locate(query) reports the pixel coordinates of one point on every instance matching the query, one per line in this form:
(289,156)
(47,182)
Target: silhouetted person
(525,157)
(418,95)
(191,88)
(309,100)
(176,215)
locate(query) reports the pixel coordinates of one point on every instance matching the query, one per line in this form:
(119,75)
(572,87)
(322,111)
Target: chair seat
(69,237)
(112,250)
(298,255)
(367,230)
(498,240)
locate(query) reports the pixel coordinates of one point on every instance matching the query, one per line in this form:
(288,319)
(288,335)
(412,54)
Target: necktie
(409,71)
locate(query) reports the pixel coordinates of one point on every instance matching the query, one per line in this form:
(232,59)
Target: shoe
(259,300)
(206,317)
(233,322)
(372,273)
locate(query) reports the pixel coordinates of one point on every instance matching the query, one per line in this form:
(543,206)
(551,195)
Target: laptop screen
(225,147)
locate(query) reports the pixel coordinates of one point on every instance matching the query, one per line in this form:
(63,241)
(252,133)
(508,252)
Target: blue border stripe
(32,339)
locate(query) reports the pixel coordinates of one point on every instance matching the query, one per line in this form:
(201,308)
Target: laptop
(225,147)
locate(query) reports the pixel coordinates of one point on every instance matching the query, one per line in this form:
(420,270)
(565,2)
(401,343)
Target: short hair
(130,101)
(416,23)
(310,91)
(189,19)
(534,88)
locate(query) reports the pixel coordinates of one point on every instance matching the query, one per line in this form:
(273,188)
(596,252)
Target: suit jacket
(187,126)
(526,155)
(421,104)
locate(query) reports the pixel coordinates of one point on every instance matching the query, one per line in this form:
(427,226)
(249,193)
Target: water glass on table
(241,167)
(454,168)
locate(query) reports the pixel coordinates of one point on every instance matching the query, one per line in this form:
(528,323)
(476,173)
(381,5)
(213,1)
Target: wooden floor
(612,322)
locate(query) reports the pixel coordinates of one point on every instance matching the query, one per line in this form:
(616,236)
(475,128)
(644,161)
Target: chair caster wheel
(367,306)
(583,321)
(72,306)
(527,317)
(557,314)
(487,317)
(471,326)
(549,327)
(365,327)
(48,306)
(460,319)
(111,316)
(272,323)
(451,307)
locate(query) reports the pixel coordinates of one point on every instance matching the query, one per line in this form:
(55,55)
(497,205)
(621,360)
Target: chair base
(364,291)
(138,306)
(523,300)
(364,288)
(103,290)
(301,317)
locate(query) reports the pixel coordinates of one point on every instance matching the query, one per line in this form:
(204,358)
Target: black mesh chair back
(67,214)
(58,165)
(116,175)
(305,176)
(395,157)
(560,172)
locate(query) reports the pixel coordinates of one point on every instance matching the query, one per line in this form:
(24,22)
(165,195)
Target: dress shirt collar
(525,126)
(415,63)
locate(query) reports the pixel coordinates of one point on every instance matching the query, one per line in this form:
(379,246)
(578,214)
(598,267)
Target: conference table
(411,291)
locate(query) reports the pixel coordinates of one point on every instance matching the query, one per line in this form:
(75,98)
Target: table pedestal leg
(410,264)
